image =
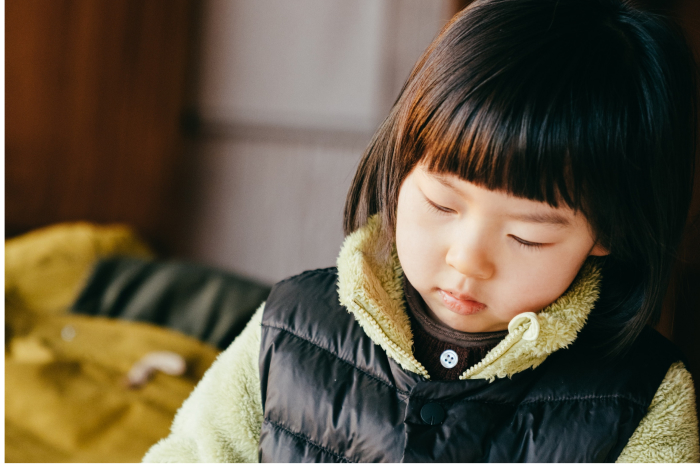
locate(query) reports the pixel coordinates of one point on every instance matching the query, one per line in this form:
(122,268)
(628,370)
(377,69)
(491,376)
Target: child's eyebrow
(542,218)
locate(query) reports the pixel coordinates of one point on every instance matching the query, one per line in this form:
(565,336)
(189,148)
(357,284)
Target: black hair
(589,104)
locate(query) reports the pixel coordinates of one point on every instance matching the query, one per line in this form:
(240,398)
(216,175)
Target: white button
(448,359)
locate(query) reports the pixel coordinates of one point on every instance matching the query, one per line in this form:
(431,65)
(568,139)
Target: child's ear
(599,250)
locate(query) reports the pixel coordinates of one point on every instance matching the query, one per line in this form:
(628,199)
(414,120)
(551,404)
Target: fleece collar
(371,289)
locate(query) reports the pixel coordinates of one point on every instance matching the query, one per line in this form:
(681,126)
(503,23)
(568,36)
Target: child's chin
(477,322)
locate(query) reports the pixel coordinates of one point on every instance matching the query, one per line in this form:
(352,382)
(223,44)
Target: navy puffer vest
(330,394)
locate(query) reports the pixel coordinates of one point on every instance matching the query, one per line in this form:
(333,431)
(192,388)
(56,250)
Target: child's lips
(461,304)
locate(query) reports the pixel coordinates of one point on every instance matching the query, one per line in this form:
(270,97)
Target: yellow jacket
(65,398)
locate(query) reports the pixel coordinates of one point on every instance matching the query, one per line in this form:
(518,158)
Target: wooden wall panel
(94,94)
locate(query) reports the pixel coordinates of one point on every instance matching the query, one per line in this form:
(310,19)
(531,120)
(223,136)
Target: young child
(511,231)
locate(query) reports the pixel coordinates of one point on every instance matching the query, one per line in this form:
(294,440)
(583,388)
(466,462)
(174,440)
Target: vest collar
(371,289)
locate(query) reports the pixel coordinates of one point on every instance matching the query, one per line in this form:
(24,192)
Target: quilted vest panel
(331,395)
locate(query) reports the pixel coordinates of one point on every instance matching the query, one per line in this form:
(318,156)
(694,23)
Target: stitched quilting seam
(586,398)
(359,369)
(307,440)
(534,401)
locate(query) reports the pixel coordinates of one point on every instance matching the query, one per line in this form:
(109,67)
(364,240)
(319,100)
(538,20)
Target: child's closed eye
(526,243)
(438,208)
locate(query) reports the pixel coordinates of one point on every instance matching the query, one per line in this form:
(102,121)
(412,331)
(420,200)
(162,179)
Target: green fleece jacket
(222,418)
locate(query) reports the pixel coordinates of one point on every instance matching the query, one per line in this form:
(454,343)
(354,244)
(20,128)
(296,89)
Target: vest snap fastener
(432,414)
(448,359)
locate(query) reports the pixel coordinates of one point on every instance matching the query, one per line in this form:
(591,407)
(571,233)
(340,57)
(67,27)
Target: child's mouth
(463,306)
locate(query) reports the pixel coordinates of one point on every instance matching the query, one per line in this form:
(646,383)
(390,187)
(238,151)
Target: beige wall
(290,94)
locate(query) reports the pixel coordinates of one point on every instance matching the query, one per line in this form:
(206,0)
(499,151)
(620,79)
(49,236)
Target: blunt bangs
(515,151)
(549,112)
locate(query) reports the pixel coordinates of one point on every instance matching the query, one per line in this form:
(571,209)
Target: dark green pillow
(202,302)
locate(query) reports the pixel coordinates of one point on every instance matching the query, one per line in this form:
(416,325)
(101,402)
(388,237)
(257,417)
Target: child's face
(479,257)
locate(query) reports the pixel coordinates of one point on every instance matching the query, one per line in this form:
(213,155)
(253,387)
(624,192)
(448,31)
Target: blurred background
(227,132)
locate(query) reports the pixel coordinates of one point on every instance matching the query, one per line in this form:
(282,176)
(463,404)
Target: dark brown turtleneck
(431,339)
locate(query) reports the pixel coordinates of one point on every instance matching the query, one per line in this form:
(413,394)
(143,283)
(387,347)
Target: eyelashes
(437,208)
(526,244)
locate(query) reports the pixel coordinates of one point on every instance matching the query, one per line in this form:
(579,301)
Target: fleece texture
(221,420)
(669,431)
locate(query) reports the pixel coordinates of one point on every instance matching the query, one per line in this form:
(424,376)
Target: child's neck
(431,339)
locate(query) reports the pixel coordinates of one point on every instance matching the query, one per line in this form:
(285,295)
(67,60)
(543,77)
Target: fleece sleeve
(669,431)
(221,420)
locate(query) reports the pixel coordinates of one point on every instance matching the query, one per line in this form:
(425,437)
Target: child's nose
(471,260)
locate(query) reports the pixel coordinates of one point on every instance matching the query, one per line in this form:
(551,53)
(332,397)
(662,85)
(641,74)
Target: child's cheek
(545,281)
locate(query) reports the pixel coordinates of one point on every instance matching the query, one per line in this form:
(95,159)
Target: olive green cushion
(205,303)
